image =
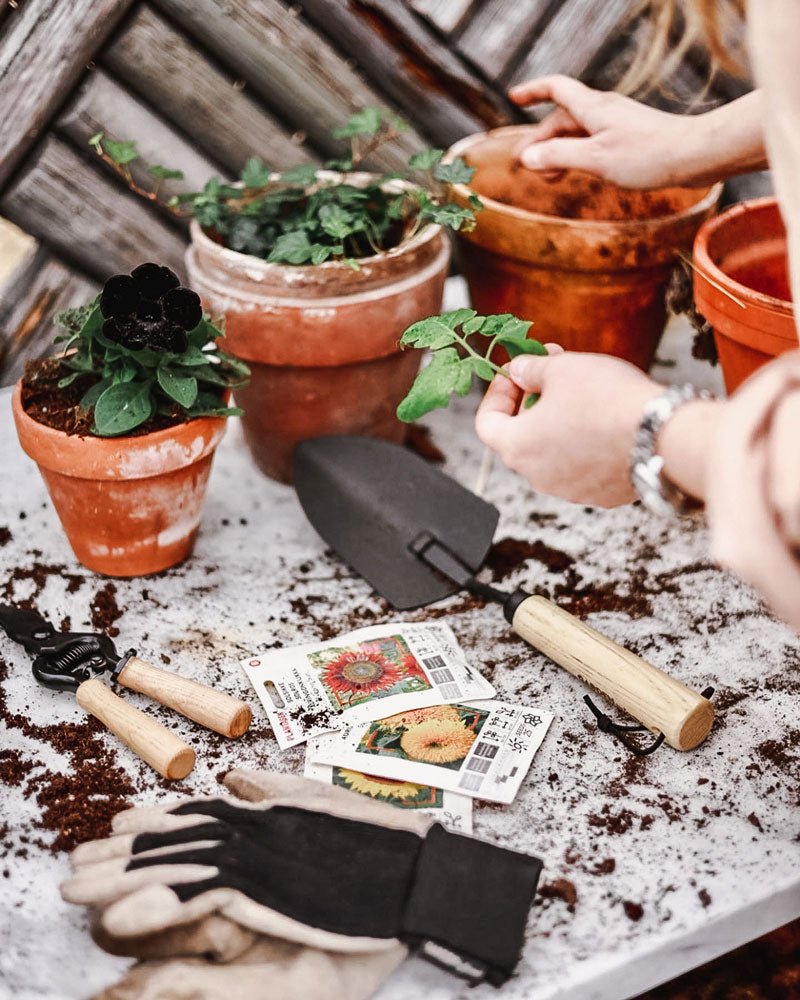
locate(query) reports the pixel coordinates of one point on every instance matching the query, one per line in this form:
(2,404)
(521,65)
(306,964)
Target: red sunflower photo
(352,675)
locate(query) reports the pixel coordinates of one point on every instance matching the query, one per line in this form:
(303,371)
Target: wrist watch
(656,491)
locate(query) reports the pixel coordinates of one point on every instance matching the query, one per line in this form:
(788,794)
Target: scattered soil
(105,611)
(584,601)
(13,767)
(38,573)
(5,535)
(780,754)
(705,898)
(509,554)
(563,889)
(633,911)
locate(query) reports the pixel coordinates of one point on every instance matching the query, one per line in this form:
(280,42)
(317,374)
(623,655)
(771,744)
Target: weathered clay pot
(586,261)
(129,506)
(741,286)
(322,341)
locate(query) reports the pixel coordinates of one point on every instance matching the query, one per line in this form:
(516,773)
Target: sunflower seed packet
(364,675)
(483,750)
(451,810)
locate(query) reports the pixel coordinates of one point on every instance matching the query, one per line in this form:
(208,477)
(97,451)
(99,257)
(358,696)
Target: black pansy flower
(149,308)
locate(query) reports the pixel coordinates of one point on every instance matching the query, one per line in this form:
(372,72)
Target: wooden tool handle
(213,709)
(148,739)
(652,697)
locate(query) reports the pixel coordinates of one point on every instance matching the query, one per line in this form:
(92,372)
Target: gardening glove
(317,865)
(269,969)
(213,937)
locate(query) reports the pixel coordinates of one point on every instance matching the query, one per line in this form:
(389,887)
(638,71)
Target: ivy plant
(302,216)
(144,348)
(455,359)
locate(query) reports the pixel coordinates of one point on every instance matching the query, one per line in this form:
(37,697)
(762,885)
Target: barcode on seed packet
(482,749)
(364,675)
(451,810)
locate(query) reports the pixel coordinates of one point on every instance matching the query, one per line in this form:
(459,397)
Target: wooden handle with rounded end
(652,697)
(216,710)
(148,739)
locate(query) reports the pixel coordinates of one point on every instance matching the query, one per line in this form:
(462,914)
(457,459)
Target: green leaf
(204,333)
(165,173)
(531,400)
(181,388)
(73,320)
(446,374)
(436,331)
(336,221)
(300,176)
(256,173)
(426,159)
(93,393)
(121,152)
(291,248)
(122,407)
(320,253)
(454,172)
(451,215)
(96,139)
(365,122)
(68,379)
(191,356)
(516,347)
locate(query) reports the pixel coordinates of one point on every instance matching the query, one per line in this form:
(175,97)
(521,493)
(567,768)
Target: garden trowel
(417,536)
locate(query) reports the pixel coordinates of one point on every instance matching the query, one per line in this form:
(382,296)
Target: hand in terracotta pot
(575,442)
(636,146)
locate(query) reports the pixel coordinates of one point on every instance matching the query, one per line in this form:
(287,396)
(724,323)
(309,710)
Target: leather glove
(269,969)
(315,865)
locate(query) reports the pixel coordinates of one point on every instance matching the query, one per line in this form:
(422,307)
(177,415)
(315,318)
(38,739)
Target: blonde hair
(673,27)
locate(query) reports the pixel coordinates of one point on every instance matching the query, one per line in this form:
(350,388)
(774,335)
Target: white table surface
(710,841)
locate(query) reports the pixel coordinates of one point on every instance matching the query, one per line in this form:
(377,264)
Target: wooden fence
(203,84)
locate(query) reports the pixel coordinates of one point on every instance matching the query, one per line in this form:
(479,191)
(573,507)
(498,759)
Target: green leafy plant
(303,216)
(455,360)
(144,349)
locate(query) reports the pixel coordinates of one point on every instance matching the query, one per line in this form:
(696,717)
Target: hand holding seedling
(636,146)
(576,442)
(450,372)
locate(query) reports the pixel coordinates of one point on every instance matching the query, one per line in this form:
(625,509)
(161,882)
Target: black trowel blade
(369,500)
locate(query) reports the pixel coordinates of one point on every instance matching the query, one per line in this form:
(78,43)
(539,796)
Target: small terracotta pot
(130,505)
(741,286)
(322,341)
(586,261)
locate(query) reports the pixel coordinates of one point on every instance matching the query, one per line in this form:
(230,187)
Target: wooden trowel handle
(655,699)
(198,702)
(148,739)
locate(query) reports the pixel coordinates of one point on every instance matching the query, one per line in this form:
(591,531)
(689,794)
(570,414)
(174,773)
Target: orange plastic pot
(129,506)
(322,341)
(741,286)
(586,261)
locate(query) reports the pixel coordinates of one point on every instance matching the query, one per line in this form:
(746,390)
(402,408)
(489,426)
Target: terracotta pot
(130,505)
(741,286)
(322,341)
(586,261)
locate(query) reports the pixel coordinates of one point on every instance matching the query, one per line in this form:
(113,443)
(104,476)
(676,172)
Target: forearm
(724,142)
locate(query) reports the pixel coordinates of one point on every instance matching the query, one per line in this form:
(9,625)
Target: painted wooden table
(651,866)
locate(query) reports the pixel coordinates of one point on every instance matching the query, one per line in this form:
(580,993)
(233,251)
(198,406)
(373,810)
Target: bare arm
(631,144)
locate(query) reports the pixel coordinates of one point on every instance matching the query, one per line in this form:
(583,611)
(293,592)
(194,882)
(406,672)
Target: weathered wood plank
(45,49)
(174,76)
(572,38)
(42,287)
(416,70)
(447,15)
(288,65)
(88,220)
(101,105)
(499,32)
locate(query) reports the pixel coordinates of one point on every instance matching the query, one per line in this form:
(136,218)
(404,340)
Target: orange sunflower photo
(377,669)
(442,735)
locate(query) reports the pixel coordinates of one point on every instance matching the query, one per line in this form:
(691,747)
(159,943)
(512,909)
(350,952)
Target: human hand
(575,442)
(616,137)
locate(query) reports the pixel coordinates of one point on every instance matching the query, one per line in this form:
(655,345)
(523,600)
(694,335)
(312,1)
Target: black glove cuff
(468,905)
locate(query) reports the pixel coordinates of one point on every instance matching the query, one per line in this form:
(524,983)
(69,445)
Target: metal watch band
(658,493)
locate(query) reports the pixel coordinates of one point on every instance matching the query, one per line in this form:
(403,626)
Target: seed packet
(364,675)
(451,810)
(482,749)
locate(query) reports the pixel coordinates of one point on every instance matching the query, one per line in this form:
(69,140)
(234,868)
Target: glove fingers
(93,852)
(154,819)
(153,907)
(99,884)
(213,937)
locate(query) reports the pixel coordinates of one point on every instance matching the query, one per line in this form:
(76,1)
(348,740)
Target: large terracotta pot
(586,261)
(129,506)
(322,341)
(741,286)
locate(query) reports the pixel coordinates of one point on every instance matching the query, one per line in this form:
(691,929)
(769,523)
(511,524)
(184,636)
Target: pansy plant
(455,359)
(151,352)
